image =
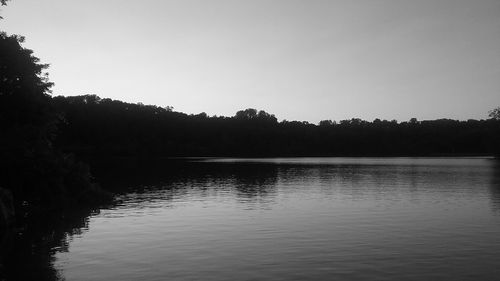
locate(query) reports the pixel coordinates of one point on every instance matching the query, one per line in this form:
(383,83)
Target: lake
(281,219)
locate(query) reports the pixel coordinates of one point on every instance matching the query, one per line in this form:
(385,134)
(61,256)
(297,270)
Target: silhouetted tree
(246,114)
(325,123)
(494,114)
(30,167)
(266,117)
(27,121)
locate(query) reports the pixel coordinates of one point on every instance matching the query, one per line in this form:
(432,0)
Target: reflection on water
(28,253)
(276,219)
(495,186)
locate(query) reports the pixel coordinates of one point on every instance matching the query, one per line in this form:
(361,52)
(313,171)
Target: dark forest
(95,127)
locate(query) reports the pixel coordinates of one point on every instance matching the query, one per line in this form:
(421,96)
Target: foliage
(24,101)
(34,171)
(494,114)
(98,128)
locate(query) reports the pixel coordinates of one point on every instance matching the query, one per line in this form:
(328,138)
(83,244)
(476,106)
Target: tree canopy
(26,117)
(101,127)
(30,166)
(494,114)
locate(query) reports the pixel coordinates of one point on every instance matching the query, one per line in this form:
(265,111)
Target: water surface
(295,219)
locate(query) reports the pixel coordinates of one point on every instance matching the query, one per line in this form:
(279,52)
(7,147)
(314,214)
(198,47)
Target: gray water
(297,219)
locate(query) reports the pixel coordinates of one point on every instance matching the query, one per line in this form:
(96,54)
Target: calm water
(291,219)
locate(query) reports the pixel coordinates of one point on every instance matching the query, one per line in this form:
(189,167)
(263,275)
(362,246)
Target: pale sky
(300,60)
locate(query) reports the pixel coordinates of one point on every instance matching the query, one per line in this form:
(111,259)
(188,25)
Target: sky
(302,60)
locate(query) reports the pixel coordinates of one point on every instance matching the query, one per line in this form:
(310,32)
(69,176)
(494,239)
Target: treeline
(95,127)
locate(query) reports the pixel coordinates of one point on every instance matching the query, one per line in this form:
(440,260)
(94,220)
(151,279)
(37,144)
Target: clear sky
(300,60)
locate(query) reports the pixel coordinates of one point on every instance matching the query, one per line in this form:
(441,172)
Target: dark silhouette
(96,128)
(28,253)
(34,174)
